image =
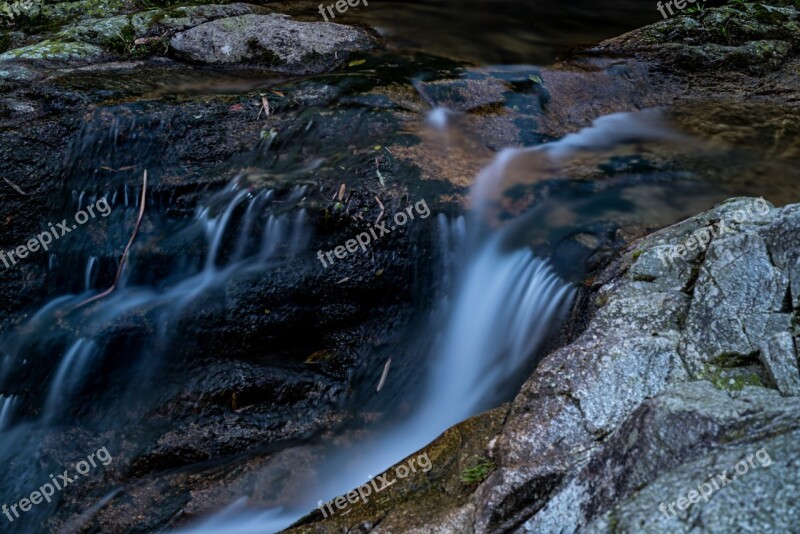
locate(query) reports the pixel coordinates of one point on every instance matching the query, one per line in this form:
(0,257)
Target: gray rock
(160,21)
(721,314)
(122,31)
(668,447)
(778,356)
(273,41)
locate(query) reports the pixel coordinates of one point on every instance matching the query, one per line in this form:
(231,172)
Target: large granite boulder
(274,41)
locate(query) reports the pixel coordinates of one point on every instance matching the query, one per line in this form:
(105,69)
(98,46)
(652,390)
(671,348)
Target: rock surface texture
(270,40)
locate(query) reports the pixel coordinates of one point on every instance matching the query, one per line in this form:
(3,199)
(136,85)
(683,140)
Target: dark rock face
(274,41)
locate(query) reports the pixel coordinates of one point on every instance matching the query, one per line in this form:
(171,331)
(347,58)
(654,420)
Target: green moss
(479,472)
(727,380)
(613,522)
(53,50)
(63,12)
(18,13)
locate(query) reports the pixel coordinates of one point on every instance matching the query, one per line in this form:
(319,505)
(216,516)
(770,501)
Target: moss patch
(728,379)
(478,473)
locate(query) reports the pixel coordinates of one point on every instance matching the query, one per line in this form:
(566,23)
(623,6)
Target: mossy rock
(56,51)
(733,378)
(424,497)
(754,57)
(105,32)
(64,12)
(168,21)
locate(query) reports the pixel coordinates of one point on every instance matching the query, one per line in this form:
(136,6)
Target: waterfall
(87,278)
(6,410)
(215,220)
(68,377)
(499,303)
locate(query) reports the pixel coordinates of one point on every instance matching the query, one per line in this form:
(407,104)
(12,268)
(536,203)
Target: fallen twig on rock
(17,188)
(380,215)
(127,248)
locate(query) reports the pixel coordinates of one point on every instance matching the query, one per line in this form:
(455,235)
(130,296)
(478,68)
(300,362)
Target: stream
(226,350)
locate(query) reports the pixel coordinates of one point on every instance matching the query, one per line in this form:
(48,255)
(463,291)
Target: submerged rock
(274,41)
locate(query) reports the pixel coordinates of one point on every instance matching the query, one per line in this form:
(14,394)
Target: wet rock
(424,502)
(228,407)
(17,73)
(274,41)
(755,56)
(719,54)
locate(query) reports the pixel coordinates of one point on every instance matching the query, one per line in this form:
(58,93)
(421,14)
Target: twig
(126,168)
(382,210)
(385,372)
(17,188)
(127,248)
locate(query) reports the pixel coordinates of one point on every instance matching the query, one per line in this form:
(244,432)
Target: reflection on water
(491,31)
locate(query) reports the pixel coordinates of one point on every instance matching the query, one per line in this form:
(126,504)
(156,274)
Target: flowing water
(503,275)
(504,303)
